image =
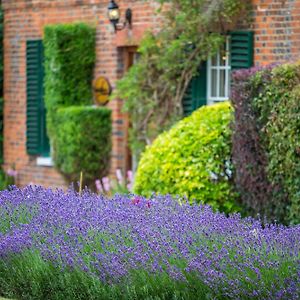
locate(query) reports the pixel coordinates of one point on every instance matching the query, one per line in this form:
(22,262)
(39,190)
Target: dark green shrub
(266,141)
(69,62)
(1,51)
(7,178)
(283,128)
(83,142)
(193,159)
(1,85)
(1,130)
(278,108)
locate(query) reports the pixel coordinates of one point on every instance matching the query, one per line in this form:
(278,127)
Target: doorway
(130,56)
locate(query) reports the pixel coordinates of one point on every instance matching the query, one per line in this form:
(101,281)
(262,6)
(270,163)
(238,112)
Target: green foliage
(154,87)
(82,142)
(1,130)
(69,62)
(192,160)
(80,136)
(1,85)
(266,145)
(278,113)
(1,52)
(28,276)
(6,179)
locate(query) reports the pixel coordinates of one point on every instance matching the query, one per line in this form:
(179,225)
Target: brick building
(274,36)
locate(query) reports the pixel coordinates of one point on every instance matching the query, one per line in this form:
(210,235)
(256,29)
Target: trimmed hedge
(69,61)
(192,160)
(83,142)
(79,134)
(1,129)
(271,108)
(1,85)
(279,109)
(1,52)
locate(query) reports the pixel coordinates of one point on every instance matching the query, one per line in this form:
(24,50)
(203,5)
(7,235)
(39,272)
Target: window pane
(213,83)
(222,83)
(219,72)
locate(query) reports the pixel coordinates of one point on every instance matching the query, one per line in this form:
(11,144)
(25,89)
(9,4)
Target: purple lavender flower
(108,238)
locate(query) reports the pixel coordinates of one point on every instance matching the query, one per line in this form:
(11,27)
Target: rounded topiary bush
(193,159)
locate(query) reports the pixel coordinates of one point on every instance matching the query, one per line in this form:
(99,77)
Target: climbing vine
(153,88)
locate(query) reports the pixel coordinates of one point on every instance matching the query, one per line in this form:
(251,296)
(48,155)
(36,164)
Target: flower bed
(56,245)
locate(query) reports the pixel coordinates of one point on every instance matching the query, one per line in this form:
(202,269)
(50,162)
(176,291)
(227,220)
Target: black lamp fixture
(114,16)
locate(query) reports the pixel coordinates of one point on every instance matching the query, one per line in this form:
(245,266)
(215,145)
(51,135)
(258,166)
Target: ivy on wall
(154,87)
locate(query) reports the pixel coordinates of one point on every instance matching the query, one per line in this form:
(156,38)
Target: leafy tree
(153,88)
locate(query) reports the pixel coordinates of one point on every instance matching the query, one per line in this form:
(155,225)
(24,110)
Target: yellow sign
(102,90)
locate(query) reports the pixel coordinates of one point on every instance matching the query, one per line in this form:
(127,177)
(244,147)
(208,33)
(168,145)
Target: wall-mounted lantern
(114,16)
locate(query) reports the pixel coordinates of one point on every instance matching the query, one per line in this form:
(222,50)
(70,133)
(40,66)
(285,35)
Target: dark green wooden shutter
(195,95)
(187,101)
(241,49)
(36,137)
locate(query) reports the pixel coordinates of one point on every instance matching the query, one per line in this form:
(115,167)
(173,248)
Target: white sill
(44,161)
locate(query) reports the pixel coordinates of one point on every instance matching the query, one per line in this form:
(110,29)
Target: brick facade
(25,20)
(276,24)
(277,38)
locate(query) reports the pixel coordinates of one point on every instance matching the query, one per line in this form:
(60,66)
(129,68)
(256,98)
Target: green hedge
(277,108)
(1,85)
(192,160)
(1,129)
(69,62)
(83,142)
(266,144)
(79,134)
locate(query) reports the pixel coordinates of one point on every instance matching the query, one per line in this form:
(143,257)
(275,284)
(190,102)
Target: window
(37,142)
(218,75)
(212,84)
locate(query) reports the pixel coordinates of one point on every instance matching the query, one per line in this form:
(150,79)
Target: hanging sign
(102,90)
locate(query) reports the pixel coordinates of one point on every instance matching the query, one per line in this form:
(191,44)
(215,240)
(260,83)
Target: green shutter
(241,49)
(36,137)
(195,95)
(187,101)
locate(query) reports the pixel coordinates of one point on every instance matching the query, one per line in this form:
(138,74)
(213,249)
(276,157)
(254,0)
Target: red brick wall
(25,19)
(277,38)
(277,30)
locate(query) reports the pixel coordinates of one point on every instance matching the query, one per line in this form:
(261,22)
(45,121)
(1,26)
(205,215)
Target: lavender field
(57,245)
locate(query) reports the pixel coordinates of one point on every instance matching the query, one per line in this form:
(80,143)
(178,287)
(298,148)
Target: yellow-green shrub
(192,160)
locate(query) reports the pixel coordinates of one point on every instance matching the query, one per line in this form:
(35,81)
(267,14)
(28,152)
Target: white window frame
(213,99)
(44,161)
